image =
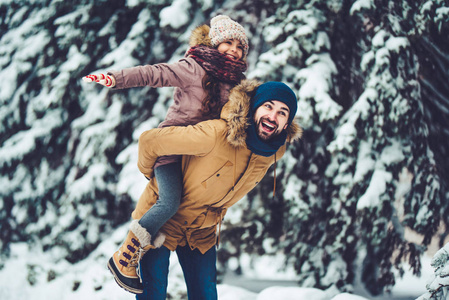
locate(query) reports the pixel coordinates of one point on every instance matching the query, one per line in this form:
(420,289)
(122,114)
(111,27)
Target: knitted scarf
(218,65)
(261,147)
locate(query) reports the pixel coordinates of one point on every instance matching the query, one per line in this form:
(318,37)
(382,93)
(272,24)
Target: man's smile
(267,127)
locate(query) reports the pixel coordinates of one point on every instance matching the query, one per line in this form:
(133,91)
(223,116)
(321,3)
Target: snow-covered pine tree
(297,51)
(438,284)
(382,177)
(371,81)
(395,181)
(60,140)
(433,55)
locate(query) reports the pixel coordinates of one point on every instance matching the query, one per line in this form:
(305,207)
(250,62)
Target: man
(223,160)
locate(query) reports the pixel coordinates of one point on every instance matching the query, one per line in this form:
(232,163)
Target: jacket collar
(235,112)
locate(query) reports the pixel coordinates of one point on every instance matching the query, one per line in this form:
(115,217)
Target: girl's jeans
(199,270)
(169,181)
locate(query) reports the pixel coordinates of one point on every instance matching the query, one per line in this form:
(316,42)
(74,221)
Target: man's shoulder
(216,128)
(218,125)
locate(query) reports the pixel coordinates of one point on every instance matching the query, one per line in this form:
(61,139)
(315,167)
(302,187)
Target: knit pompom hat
(222,28)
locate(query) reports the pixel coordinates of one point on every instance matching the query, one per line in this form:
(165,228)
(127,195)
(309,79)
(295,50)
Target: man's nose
(272,116)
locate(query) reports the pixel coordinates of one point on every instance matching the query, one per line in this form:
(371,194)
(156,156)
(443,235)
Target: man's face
(271,118)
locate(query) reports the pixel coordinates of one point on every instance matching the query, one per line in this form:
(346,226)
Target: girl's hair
(212,100)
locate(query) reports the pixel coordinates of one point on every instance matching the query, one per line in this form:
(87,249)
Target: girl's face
(232,48)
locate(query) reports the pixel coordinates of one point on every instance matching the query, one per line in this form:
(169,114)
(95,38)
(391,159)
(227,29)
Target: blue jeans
(169,181)
(199,270)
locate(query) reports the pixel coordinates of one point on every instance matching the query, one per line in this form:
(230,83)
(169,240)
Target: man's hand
(103,79)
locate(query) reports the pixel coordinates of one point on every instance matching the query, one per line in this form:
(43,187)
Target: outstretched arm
(179,74)
(197,140)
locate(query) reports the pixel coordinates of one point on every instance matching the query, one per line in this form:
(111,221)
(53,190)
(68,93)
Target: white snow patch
(292,293)
(176,15)
(361,5)
(376,188)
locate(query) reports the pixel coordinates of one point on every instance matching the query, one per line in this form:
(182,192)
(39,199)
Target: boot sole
(113,269)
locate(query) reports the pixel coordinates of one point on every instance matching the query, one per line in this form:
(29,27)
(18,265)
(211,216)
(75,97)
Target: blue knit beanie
(273,90)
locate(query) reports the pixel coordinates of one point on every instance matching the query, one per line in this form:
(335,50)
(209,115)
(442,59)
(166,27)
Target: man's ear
(285,127)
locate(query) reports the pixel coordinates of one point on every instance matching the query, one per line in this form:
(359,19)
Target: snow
(298,53)
(178,8)
(442,14)
(229,292)
(346,296)
(272,32)
(315,78)
(33,274)
(365,163)
(392,154)
(396,43)
(292,293)
(25,141)
(120,56)
(360,5)
(377,186)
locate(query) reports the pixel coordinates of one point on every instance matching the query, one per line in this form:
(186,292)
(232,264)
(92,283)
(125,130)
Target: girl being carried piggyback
(212,66)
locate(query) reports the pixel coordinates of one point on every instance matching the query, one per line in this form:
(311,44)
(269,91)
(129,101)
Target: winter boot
(124,263)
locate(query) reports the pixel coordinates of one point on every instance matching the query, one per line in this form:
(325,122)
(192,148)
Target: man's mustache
(266,120)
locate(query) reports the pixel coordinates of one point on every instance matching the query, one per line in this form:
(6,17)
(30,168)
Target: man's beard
(263,135)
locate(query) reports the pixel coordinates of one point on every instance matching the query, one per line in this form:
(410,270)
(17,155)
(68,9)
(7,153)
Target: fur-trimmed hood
(236,110)
(200,36)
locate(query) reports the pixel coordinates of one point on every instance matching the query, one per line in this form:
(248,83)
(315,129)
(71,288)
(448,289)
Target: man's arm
(196,140)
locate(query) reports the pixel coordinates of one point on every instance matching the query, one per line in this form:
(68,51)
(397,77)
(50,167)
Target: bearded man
(223,160)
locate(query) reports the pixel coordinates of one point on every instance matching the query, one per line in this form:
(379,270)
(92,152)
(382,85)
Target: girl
(212,66)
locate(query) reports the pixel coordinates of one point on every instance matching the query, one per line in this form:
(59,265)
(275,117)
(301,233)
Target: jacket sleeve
(197,140)
(179,74)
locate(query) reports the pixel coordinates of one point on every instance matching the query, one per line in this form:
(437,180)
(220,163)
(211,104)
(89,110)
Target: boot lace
(136,261)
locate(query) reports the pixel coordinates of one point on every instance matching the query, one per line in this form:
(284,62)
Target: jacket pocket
(214,216)
(211,217)
(218,174)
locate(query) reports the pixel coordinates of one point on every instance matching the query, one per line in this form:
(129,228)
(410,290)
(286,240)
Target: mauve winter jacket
(186,76)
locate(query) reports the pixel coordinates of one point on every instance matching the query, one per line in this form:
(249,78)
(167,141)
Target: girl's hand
(103,79)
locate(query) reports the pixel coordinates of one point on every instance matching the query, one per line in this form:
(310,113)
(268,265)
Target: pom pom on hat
(222,28)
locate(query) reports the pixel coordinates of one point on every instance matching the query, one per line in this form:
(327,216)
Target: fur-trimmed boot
(125,262)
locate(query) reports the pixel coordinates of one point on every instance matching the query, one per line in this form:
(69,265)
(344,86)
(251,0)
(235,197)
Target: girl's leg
(154,271)
(142,234)
(169,181)
(200,272)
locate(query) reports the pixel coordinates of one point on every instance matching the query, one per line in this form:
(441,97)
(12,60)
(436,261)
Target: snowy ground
(90,279)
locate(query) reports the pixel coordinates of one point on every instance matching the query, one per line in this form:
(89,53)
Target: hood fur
(236,110)
(200,36)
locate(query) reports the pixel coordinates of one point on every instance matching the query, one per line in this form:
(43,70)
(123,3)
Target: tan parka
(218,169)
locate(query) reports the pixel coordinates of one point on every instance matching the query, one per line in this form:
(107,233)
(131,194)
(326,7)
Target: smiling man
(223,159)
(271,118)
(271,111)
